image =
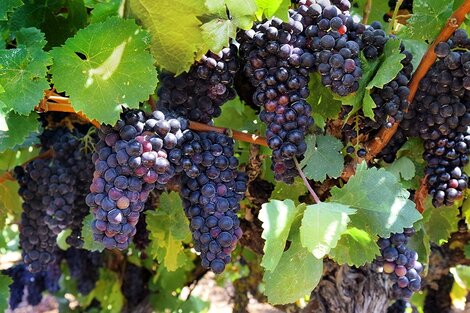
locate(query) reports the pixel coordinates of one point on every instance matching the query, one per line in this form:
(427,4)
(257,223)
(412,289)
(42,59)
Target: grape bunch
(131,160)
(198,94)
(333,38)
(277,64)
(401,263)
(135,284)
(211,189)
(84,266)
(440,115)
(35,284)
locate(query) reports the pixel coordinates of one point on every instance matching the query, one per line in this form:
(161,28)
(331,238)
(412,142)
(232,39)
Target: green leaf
(218,31)
(296,275)
(174,48)
(356,247)
(466,251)
(277,217)
(293,191)
(322,226)
(324,105)
(11,134)
(322,158)
(10,201)
(421,243)
(105,66)
(108,291)
(402,168)
(440,223)
(102,10)
(429,16)
(23,72)
(270,8)
(7,6)
(378,8)
(239,116)
(168,227)
(5,282)
(87,235)
(48,15)
(390,66)
(382,204)
(11,158)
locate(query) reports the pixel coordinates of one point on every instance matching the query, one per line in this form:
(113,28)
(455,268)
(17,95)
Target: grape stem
(391,26)
(366,12)
(306,183)
(376,144)
(62,104)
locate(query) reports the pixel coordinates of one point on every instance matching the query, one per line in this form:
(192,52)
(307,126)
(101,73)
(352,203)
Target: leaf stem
(306,183)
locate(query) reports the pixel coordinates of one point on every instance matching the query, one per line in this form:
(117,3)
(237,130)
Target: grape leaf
(421,243)
(7,6)
(9,201)
(5,282)
(168,227)
(402,168)
(324,105)
(296,275)
(382,204)
(322,158)
(466,210)
(355,248)
(239,116)
(174,48)
(87,235)
(293,191)
(229,15)
(108,291)
(429,16)
(105,66)
(11,135)
(390,65)
(322,226)
(102,10)
(466,251)
(440,223)
(277,217)
(48,15)
(377,10)
(270,8)
(23,72)
(10,158)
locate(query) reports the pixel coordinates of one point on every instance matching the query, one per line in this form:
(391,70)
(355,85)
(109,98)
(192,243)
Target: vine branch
(62,104)
(376,144)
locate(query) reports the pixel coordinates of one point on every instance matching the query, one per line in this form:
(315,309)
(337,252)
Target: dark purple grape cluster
(333,37)
(277,64)
(373,41)
(84,267)
(135,285)
(440,115)
(211,189)
(400,263)
(399,306)
(131,160)
(35,284)
(392,100)
(198,94)
(37,240)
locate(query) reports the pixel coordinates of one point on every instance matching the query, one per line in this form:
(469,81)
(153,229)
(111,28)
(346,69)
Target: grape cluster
(131,160)
(211,189)
(392,100)
(440,115)
(389,152)
(333,38)
(277,65)
(401,263)
(135,285)
(37,240)
(199,93)
(84,266)
(35,284)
